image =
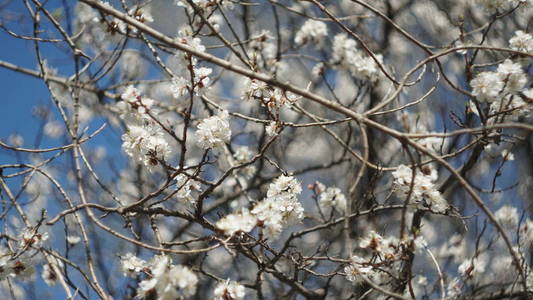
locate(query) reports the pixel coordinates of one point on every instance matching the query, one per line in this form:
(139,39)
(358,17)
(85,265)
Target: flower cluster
(229,290)
(32,238)
(472,266)
(504,89)
(279,209)
(233,223)
(507,216)
(51,271)
(381,256)
(330,198)
(214,132)
(281,206)
(131,265)
(312,31)
(203,4)
(185,187)
(144,141)
(487,86)
(22,267)
(20,262)
(272,129)
(356,269)
(347,56)
(142,14)
(281,203)
(522,41)
(188,70)
(164,280)
(491,86)
(270,97)
(423,191)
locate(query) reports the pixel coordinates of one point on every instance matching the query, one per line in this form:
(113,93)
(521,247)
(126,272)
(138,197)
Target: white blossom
(365,66)
(179,87)
(432,143)
(32,238)
(472,267)
(521,41)
(132,65)
(271,97)
(214,132)
(269,216)
(201,76)
(420,243)
(204,4)
(185,37)
(507,155)
(185,187)
(229,290)
(507,216)
(4,265)
(136,101)
(49,274)
(237,222)
(372,241)
(256,89)
(332,197)
(281,206)
(131,265)
(143,14)
(512,75)
(347,56)
(343,48)
(73,239)
(312,31)
(16,140)
(272,129)
(263,49)
(22,268)
(284,185)
(16,265)
(423,191)
(146,143)
(185,81)
(53,129)
(318,70)
(487,86)
(355,270)
(242,154)
(167,281)
(453,290)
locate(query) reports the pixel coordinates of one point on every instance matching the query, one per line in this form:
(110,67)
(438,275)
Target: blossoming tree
(270,149)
